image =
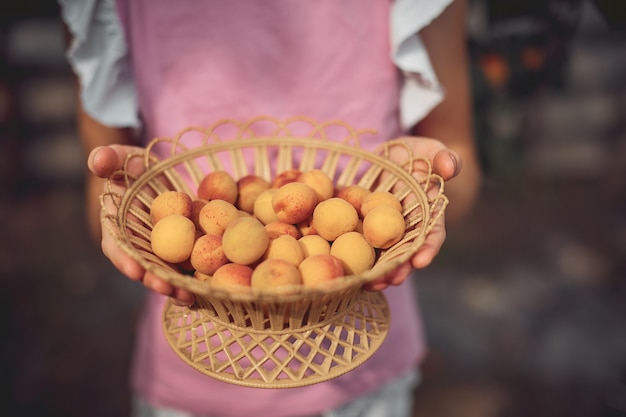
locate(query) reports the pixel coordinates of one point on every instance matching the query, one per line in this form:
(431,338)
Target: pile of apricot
(296,229)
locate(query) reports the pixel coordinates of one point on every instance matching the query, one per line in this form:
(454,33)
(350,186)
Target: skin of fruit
(218,185)
(356,253)
(216,215)
(314,245)
(320,182)
(319,270)
(275,275)
(294,202)
(354,194)
(334,217)
(207,254)
(285,177)
(278,228)
(285,247)
(245,240)
(376,198)
(383,226)
(173,237)
(263,209)
(171,202)
(232,277)
(250,187)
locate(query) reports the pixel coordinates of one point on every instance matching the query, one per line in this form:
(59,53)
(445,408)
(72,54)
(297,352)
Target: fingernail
(455,162)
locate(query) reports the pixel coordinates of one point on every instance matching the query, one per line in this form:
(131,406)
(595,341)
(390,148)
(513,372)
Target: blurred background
(525,307)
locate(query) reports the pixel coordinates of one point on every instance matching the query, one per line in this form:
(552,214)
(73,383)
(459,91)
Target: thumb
(102,161)
(447,163)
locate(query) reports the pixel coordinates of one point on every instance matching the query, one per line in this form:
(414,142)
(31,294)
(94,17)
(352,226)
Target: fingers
(395,277)
(399,275)
(178,296)
(134,271)
(131,268)
(430,248)
(422,258)
(447,164)
(376,285)
(121,260)
(103,161)
(182,297)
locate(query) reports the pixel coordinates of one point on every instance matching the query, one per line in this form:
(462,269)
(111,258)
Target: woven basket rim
(116,223)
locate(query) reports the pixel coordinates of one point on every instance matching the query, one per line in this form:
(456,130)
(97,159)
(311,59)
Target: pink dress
(196,62)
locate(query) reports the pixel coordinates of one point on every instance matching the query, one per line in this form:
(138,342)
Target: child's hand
(447,164)
(103,161)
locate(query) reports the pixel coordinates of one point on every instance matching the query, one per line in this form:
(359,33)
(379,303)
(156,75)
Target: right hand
(102,162)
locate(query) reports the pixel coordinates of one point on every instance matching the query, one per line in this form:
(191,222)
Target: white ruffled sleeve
(421,90)
(98,55)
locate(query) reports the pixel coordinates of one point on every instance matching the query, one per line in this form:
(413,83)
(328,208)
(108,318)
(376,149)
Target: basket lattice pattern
(266,146)
(281,359)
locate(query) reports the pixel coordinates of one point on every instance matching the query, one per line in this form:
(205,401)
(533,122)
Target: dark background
(524,307)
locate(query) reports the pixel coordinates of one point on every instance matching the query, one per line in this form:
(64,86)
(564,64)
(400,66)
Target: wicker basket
(261,339)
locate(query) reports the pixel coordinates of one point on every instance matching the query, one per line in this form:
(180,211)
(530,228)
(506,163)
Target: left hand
(104,161)
(445,163)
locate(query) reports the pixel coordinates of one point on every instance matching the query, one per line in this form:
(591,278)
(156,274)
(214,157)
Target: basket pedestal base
(278,359)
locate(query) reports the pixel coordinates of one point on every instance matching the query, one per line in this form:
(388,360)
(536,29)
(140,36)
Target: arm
(445,135)
(94,135)
(107,147)
(451,121)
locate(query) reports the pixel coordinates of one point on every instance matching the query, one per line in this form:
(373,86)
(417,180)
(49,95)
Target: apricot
(359,226)
(334,217)
(245,240)
(285,247)
(294,202)
(275,229)
(232,276)
(318,270)
(196,207)
(218,185)
(314,245)
(243,213)
(170,202)
(376,198)
(207,254)
(263,209)
(383,226)
(173,237)
(354,194)
(276,275)
(285,177)
(250,186)
(320,182)
(216,215)
(306,227)
(355,253)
